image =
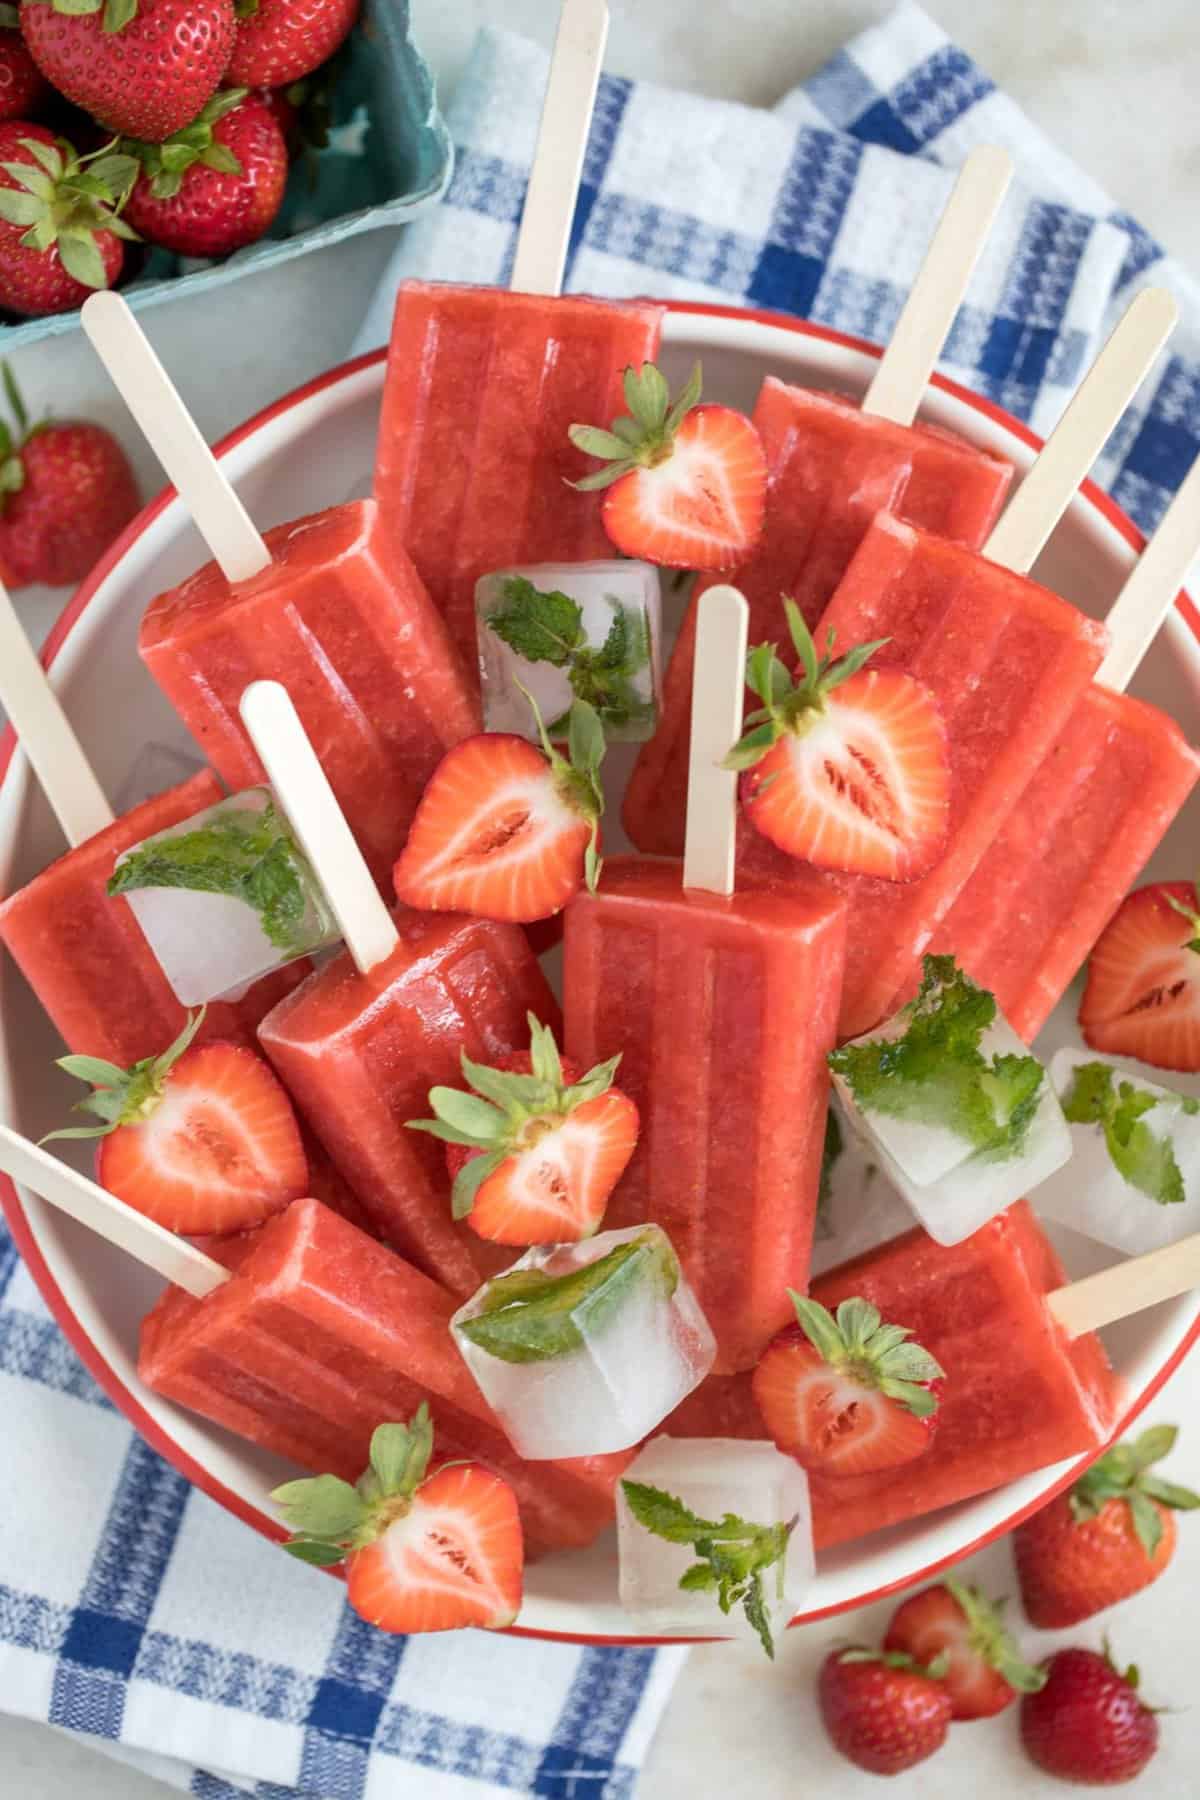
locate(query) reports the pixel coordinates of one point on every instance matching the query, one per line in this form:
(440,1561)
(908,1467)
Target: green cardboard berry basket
(389,159)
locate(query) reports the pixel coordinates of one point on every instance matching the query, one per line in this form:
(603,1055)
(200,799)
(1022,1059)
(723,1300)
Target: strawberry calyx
(10,18)
(989,1638)
(12,442)
(508,1112)
(1123,1473)
(65,199)
(1191,914)
(577,774)
(858,1344)
(166,164)
(642,438)
(792,704)
(117,13)
(331,1518)
(123,1096)
(934,1670)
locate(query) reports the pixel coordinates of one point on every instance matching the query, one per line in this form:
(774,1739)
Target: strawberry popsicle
(361,1042)
(832,466)
(323,1334)
(330,604)
(1093,815)
(1005,660)
(83,954)
(474,464)
(723,1007)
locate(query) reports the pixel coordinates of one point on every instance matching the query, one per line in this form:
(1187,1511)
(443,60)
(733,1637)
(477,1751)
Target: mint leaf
(529,1316)
(734,1554)
(541,627)
(604,678)
(936,1073)
(1145,1158)
(248,855)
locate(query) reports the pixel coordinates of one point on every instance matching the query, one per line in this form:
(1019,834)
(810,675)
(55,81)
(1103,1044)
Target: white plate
(315,448)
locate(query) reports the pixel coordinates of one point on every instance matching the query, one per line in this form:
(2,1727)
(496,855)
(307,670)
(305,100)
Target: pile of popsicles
(717,989)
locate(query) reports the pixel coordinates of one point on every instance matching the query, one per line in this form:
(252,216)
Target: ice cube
(619,600)
(213,945)
(863,1207)
(1093,1195)
(712,1477)
(585,1348)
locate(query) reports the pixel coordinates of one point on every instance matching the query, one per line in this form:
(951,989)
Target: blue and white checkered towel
(823,207)
(133,1609)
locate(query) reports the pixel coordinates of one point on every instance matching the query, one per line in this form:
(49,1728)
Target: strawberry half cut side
(848,1395)
(686,484)
(983,1669)
(843,766)
(536,1149)
(422,1552)
(1142,997)
(201,1139)
(505,830)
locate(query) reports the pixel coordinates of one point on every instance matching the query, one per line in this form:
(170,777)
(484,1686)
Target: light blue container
(389,159)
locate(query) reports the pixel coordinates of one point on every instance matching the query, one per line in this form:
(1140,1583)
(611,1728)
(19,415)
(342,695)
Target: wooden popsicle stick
(1083,431)
(944,277)
(545,233)
(65,1188)
(302,789)
(1127,1287)
(718,697)
(55,753)
(1149,595)
(174,437)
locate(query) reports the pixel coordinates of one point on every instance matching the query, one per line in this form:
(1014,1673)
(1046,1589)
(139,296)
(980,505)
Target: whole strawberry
(883,1711)
(22,87)
(984,1668)
(60,230)
(66,490)
(142,67)
(1087,1723)
(1111,1535)
(278,41)
(217,186)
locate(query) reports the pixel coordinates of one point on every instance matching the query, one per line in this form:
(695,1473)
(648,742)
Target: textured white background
(1116,86)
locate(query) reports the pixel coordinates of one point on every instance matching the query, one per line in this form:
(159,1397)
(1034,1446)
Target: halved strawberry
(505,830)
(844,766)
(422,1553)
(983,1670)
(537,1149)
(687,483)
(1143,985)
(203,1140)
(850,1395)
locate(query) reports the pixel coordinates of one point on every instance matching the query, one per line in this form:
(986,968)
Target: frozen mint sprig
(935,1073)
(246,854)
(1141,1155)
(547,626)
(734,1553)
(529,1316)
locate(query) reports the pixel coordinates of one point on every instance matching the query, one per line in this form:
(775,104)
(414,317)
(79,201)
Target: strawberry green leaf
(879,1356)
(935,1073)
(470,1179)
(646,436)
(310,1550)
(48,155)
(118,14)
(1169,1493)
(400,1454)
(734,1553)
(221,158)
(322,1506)
(792,705)
(16,401)
(1147,1522)
(989,1638)
(10,18)
(124,1096)
(82,259)
(20,209)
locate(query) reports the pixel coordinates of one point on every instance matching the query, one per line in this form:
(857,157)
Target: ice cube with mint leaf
(571,631)
(714,1537)
(962,1118)
(1134,1179)
(225,897)
(584,1348)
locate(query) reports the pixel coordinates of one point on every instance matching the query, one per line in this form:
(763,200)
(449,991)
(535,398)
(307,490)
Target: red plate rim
(124,1398)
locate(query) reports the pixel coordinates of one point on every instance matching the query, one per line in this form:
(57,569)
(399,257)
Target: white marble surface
(1115,84)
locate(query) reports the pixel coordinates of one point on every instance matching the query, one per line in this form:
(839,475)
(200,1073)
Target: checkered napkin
(823,207)
(131,1608)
